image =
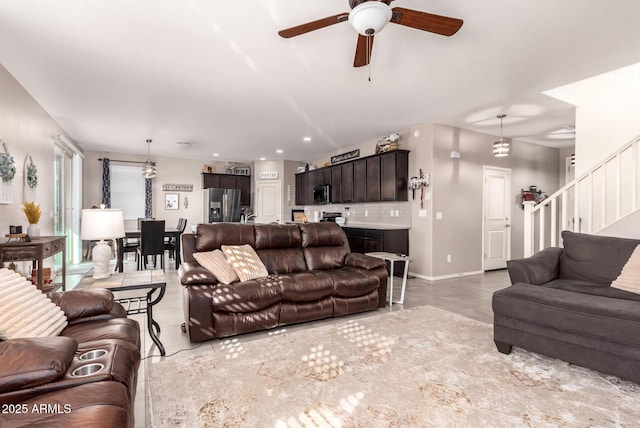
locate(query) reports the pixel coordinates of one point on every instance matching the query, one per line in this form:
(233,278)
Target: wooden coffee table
(151,280)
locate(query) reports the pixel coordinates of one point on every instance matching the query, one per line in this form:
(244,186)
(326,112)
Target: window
(127,190)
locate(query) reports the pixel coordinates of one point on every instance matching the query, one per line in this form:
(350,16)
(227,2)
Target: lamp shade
(370,17)
(98,224)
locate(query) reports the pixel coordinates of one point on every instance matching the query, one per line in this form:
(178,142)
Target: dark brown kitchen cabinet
(243,182)
(229,181)
(360,180)
(394,168)
(346,170)
(301,189)
(210,181)
(336,184)
(381,177)
(373,179)
(363,240)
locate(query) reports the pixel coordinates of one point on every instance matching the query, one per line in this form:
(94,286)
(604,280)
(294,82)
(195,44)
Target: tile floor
(469,296)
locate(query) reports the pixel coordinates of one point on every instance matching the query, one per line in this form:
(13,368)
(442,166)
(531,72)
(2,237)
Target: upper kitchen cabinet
(229,181)
(394,176)
(382,177)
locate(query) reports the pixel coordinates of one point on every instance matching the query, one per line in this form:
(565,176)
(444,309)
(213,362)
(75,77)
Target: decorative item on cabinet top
(177,187)
(388,143)
(242,170)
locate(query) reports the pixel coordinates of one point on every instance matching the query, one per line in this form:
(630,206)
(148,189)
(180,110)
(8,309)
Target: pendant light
(501,147)
(149,168)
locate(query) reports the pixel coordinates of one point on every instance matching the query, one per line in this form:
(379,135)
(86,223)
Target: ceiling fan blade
(313,25)
(426,21)
(363,50)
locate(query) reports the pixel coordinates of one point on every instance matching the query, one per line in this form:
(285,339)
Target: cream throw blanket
(26,311)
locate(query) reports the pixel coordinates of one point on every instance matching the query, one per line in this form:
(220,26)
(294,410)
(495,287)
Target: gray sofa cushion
(594,258)
(592,288)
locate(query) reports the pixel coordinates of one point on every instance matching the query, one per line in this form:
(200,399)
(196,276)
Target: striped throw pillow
(215,262)
(629,278)
(26,311)
(245,262)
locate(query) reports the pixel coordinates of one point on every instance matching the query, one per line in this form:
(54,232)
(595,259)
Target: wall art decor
(30,179)
(171,201)
(7,172)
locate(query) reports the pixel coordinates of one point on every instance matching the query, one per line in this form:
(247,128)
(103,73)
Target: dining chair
(170,243)
(151,243)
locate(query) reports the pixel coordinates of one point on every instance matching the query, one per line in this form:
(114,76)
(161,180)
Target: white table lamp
(98,225)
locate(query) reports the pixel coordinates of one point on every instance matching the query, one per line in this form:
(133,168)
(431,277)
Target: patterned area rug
(423,367)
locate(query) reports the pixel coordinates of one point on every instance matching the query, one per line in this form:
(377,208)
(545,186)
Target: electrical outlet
(392,213)
(366,213)
(448,258)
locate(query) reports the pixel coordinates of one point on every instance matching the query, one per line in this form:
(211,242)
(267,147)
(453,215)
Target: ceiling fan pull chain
(368,58)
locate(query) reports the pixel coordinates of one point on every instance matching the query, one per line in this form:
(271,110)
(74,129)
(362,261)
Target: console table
(391,257)
(37,250)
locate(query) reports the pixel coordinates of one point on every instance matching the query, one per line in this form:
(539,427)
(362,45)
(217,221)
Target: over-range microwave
(322,194)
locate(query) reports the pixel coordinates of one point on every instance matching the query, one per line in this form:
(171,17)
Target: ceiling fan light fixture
(149,167)
(370,17)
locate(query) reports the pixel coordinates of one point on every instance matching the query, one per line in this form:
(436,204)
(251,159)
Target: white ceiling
(215,73)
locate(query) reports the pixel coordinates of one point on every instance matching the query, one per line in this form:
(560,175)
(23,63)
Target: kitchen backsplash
(391,213)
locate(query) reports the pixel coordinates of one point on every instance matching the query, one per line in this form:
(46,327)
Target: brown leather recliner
(48,381)
(312,275)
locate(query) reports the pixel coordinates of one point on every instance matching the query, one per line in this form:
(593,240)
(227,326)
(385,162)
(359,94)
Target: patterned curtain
(106,183)
(148,204)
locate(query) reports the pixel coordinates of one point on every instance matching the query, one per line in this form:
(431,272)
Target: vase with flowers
(33,213)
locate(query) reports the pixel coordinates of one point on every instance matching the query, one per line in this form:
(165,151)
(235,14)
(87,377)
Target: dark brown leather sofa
(561,304)
(312,275)
(38,387)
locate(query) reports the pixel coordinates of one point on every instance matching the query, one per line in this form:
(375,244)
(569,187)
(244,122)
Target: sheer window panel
(127,190)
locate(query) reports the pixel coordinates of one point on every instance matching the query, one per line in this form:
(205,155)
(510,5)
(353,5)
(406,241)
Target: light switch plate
(439,215)
(422,213)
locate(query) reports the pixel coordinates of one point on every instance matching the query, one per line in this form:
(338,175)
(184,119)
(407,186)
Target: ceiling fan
(368,17)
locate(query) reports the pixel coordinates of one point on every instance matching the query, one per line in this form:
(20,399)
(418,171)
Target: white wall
(27,129)
(607,112)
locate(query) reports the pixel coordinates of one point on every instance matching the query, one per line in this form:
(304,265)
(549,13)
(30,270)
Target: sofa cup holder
(93,354)
(87,370)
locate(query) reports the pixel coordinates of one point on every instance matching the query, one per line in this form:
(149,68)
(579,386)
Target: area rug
(422,367)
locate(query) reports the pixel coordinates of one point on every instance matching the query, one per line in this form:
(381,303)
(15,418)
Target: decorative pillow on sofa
(245,261)
(217,263)
(25,311)
(629,278)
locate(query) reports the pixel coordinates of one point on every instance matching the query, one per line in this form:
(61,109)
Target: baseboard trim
(454,275)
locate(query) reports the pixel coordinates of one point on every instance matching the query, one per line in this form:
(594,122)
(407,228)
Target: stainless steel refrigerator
(221,205)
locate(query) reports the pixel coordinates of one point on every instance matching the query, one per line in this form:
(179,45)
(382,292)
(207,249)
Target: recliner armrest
(363,261)
(29,362)
(192,273)
(538,269)
(78,304)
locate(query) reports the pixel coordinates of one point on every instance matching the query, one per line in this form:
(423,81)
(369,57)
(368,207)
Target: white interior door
(497,217)
(269,206)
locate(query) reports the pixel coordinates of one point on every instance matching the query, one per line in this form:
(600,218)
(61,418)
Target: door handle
(508,225)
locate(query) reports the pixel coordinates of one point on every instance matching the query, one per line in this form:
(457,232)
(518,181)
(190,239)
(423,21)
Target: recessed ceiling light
(307,139)
(215,154)
(263,158)
(279,151)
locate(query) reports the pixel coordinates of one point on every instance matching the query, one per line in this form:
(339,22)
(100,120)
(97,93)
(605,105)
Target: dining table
(169,232)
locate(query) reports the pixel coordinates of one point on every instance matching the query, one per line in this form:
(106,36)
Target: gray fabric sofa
(561,304)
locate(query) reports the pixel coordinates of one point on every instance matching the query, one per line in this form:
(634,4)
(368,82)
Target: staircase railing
(602,196)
